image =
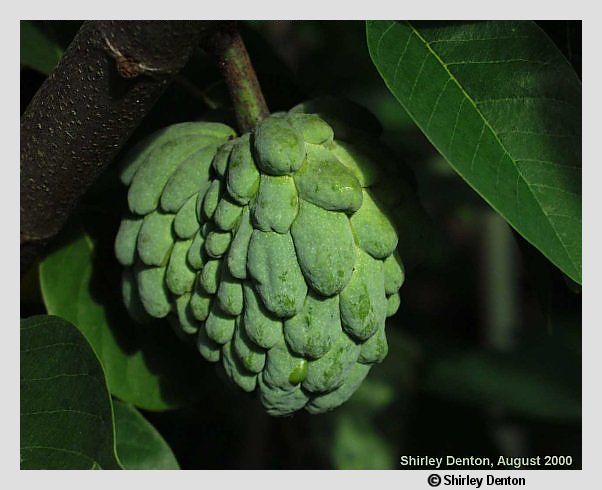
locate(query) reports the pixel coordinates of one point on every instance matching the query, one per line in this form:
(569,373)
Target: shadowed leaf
(38,50)
(66,418)
(139,445)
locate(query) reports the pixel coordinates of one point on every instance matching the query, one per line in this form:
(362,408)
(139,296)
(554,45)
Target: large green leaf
(139,445)
(145,365)
(38,50)
(66,418)
(503,106)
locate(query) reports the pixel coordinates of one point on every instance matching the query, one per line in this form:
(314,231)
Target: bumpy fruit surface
(273,250)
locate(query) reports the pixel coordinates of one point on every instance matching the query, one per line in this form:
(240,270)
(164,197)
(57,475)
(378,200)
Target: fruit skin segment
(272,251)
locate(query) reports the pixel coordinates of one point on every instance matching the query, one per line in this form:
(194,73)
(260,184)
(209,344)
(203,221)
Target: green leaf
(145,365)
(503,106)
(139,445)
(66,417)
(38,50)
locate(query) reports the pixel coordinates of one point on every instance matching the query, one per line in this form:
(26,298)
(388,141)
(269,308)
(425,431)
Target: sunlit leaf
(503,106)
(146,365)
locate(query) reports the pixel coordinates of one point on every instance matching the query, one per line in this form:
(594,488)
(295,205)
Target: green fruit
(273,250)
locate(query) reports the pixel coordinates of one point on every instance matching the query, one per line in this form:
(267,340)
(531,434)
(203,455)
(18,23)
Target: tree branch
(228,49)
(108,80)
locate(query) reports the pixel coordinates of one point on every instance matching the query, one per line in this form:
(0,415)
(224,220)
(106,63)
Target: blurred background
(485,351)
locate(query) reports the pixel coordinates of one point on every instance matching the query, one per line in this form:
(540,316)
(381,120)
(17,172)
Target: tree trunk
(108,80)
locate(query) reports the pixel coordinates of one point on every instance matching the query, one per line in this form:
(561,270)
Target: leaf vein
(519,174)
(401,56)
(451,141)
(417,77)
(468,40)
(523,98)
(549,162)
(57,376)
(476,150)
(64,410)
(496,62)
(567,216)
(60,449)
(380,39)
(553,188)
(49,346)
(538,133)
(428,124)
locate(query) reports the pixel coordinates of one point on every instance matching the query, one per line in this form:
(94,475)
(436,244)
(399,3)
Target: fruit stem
(228,49)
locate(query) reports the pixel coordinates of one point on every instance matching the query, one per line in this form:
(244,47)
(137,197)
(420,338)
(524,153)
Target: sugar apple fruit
(273,250)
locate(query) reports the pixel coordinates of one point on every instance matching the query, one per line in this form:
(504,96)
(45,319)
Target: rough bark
(109,78)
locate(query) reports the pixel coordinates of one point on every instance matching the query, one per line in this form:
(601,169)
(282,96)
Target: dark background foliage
(485,351)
